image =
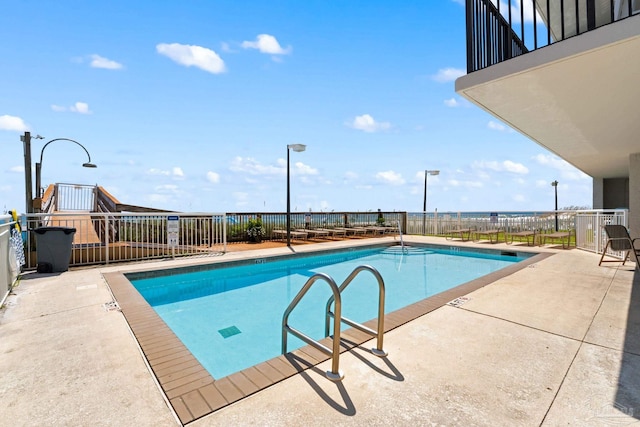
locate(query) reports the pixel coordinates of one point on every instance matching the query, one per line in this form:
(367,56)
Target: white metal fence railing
(8,264)
(73,197)
(587,224)
(441,223)
(590,233)
(103,238)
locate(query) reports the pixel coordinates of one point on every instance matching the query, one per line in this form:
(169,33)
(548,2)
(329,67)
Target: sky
(190,106)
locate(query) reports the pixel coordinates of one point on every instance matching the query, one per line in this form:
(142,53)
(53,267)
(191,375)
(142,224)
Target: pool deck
(555,343)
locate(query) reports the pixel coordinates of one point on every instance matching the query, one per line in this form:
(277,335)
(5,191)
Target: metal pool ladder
(335,374)
(378,351)
(401,239)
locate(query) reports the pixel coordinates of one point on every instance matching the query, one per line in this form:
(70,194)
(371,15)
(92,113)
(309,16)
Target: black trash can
(53,248)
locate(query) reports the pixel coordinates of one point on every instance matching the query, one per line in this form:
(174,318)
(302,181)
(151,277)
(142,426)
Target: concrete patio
(556,343)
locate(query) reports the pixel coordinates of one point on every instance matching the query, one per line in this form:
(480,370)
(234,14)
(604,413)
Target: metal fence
(590,234)
(442,223)
(587,224)
(239,222)
(8,267)
(102,238)
(73,197)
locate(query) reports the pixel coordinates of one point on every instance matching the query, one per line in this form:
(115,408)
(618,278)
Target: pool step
(398,249)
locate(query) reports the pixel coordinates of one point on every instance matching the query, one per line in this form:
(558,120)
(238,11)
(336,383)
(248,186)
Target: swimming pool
(230,318)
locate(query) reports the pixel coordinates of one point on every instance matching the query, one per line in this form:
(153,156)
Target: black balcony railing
(498,30)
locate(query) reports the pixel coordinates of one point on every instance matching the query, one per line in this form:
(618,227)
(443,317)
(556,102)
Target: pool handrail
(334,374)
(379,334)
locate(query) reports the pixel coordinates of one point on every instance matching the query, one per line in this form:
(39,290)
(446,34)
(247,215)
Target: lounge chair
(618,239)
(526,234)
(353,231)
(292,234)
(461,233)
(333,232)
(490,234)
(312,232)
(563,236)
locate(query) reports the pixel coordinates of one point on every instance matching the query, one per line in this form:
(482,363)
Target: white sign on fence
(173,230)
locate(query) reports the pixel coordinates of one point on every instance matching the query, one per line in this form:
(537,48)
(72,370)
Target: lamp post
(554,184)
(39,168)
(297,148)
(424,204)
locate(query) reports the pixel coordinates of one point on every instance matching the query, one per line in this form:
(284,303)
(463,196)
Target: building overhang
(579,98)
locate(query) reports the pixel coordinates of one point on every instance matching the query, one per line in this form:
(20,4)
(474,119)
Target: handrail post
(334,374)
(107,237)
(337,319)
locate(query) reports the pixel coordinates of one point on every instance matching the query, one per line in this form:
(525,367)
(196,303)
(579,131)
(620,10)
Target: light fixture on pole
(297,148)
(424,204)
(554,184)
(38,197)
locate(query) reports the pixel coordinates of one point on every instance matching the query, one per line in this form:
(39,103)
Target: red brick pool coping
(193,392)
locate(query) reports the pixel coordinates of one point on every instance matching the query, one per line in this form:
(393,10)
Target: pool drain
(229,332)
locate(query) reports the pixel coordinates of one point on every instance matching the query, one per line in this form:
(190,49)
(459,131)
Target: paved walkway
(557,343)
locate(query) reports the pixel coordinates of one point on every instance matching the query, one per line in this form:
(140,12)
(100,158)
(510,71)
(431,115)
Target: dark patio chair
(618,239)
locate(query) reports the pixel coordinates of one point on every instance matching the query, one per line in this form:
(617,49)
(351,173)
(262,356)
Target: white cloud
(167,188)
(17,169)
(505,166)
(80,107)
(253,167)
(390,177)
(98,61)
(176,172)
(451,102)
(12,123)
(266,43)
(367,123)
(467,184)
(567,171)
(496,126)
(302,169)
(193,56)
(519,198)
(514,167)
(154,171)
(445,75)
(213,177)
(349,176)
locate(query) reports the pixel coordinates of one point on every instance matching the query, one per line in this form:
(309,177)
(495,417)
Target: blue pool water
(231,318)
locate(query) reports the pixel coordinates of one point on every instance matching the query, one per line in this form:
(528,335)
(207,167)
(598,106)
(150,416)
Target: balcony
(507,29)
(571,88)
